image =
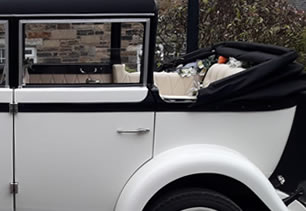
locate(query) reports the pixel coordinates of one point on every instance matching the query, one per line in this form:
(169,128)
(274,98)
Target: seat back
(220,71)
(171,84)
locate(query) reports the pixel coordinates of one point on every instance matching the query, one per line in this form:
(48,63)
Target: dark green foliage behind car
(264,21)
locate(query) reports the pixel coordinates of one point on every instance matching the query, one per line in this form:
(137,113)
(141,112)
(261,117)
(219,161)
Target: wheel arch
(194,161)
(244,197)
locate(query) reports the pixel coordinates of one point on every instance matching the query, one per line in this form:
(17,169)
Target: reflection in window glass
(69,43)
(131,45)
(80,53)
(3,56)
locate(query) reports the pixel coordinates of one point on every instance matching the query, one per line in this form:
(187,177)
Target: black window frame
(115,42)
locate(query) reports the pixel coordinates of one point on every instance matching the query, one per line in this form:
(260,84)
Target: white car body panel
(6,153)
(82,157)
(78,161)
(84,95)
(6,161)
(6,95)
(296,206)
(77,168)
(259,136)
(195,159)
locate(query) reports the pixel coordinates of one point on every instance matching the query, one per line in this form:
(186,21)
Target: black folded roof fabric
(275,76)
(272,49)
(256,57)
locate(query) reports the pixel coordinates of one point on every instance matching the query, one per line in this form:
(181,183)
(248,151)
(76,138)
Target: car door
(80,134)
(6,125)
(6,150)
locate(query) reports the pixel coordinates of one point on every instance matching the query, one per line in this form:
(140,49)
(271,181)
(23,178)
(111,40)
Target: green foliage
(301,47)
(264,21)
(172,29)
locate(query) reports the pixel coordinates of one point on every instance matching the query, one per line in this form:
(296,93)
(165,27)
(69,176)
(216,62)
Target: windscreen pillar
(193,26)
(14,48)
(116,43)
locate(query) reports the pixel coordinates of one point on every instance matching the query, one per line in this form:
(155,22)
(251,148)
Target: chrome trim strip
(81,15)
(20,47)
(146,53)
(136,131)
(7,61)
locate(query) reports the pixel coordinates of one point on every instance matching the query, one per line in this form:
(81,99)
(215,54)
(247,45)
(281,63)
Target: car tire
(193,200)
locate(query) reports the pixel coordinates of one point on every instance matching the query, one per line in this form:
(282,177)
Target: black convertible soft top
(20,7)
(274,76)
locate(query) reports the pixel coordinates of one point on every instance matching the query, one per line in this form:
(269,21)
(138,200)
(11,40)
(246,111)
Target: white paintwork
(6,164)
(259,136)
(78,161)
(83,95)
(6,95)
(295,206)
(195,159)
(6,150)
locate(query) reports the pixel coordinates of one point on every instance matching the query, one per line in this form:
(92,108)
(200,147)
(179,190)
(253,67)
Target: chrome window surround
(6,66)
(146,21)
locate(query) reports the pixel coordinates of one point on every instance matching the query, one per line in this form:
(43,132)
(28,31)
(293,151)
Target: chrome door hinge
(14,187)
(13,108)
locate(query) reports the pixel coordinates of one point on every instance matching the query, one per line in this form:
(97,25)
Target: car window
(3,53)
(82,53)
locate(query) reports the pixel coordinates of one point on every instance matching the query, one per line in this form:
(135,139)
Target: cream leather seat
(220,71)
(120,75)
(169,84)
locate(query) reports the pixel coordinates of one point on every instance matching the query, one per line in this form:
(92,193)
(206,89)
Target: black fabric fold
(274,77)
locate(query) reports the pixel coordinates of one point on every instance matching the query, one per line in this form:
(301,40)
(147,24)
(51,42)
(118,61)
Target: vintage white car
(87,125)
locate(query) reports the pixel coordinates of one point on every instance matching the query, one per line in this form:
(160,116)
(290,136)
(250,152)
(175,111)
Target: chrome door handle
(137,131)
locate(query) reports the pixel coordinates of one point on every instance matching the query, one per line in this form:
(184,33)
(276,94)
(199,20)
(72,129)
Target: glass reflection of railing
(1,68)
(2,55)
(2,75)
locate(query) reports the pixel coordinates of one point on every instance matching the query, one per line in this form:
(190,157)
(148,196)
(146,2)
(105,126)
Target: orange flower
(222,60)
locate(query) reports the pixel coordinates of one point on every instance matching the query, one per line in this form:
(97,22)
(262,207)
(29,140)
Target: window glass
(82,53)
(131,46)
(3,54)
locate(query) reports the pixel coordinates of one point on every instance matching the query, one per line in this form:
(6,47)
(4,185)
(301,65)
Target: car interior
(81,54)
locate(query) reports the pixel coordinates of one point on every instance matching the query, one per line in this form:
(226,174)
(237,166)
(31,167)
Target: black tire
(193,198)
